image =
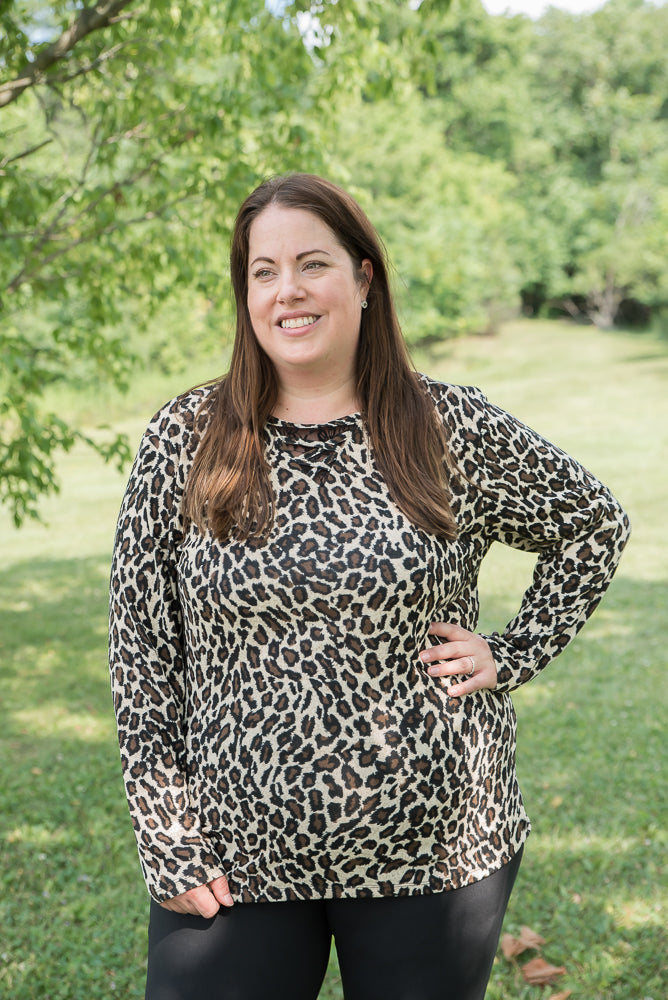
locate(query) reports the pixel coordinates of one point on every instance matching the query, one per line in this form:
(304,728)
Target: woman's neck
(313,404)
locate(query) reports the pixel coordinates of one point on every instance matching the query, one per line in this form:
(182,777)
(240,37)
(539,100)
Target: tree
(574,109)
(453,231)
(598,179)
(129,136)
(495,154)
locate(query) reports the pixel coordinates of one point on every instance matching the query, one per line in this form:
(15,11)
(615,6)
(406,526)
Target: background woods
(125,151)
(506,163)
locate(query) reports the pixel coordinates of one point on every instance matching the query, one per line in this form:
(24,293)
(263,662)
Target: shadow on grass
(655,336)
(590,751)
(591,747)
(72,906)
(52,603)
(58,737)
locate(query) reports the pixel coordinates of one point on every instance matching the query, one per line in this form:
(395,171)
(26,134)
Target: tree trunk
(603,303)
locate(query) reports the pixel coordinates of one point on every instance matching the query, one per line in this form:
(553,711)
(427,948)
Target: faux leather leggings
(432,947)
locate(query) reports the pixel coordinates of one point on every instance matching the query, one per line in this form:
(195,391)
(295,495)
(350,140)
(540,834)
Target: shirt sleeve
(146,656)
(537,498)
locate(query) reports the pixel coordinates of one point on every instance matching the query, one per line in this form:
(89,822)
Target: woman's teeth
(292,324)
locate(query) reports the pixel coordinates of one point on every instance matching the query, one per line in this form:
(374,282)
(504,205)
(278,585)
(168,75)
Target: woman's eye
(262,273)
(313,265)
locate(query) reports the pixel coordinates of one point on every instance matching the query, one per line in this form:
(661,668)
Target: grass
(591,750)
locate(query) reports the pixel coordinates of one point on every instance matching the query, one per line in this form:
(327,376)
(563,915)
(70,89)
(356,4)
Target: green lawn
(73,907)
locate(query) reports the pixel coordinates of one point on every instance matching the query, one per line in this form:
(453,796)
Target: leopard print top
(275,722)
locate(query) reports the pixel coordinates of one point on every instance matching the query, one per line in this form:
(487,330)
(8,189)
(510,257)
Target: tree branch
(53,232)
(101,15)
(26,152)
(97,234)
(87,67)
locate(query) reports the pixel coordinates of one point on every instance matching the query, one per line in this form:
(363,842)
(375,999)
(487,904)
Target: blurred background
(514,158)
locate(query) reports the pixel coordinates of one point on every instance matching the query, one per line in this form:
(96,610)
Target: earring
(364,303)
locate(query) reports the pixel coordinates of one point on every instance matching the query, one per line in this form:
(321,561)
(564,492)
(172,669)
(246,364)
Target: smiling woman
(316,740)
(305,297)
(351,359)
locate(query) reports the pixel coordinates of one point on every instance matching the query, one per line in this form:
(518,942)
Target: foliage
(126,151)
(599,173)
(522,156)
(503,161)
(448,221)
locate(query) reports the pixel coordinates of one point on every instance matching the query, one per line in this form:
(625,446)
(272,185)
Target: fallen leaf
(564,995)
(511,946)
(530,939)
(538,972)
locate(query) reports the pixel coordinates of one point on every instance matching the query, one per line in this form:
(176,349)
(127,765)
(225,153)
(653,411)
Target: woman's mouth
(294,324)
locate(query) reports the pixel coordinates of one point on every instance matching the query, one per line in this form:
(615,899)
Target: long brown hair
(229,489)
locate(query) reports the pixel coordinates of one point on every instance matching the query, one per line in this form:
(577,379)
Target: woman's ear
(366,269)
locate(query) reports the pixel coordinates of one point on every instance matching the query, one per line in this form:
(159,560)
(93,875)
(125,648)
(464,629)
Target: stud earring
(364,303)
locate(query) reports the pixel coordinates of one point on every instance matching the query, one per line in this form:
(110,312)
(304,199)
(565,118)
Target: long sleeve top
(275,722)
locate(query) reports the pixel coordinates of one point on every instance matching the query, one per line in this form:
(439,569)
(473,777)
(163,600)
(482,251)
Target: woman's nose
(289,287)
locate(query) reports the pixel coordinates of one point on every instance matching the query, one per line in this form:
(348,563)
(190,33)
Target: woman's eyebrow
(304,253)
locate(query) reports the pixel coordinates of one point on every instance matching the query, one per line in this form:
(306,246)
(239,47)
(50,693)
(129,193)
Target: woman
(315,740)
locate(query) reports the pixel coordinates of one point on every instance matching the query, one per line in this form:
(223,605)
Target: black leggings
(435,947)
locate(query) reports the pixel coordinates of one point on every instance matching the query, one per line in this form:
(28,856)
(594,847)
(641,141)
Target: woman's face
(304,295)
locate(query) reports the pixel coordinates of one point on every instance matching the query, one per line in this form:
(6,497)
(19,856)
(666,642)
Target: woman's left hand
(462,652)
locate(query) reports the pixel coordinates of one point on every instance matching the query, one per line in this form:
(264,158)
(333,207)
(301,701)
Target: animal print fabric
(275,723)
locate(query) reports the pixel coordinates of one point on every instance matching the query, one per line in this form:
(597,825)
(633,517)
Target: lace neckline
(315,443)
(338,423)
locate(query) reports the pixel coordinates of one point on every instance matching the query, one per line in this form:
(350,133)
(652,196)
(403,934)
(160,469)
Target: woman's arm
(537,498)
(146,659)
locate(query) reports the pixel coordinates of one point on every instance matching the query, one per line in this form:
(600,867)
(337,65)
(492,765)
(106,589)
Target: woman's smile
(297,322)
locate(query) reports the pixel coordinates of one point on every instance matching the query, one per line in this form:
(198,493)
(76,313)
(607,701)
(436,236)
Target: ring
(472,666)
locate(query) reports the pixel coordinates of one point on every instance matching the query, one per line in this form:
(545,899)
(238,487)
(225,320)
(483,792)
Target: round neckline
(348,418)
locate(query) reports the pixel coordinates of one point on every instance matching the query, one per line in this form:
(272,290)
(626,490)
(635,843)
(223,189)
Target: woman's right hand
(203,900)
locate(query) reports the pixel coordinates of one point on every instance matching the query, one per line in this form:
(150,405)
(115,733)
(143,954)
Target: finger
(485,678)
(204,901)
(466,686)
(221,891)
(447,630)
(446,651)
(180,905)
(198,902)
(459,690)
(461,665)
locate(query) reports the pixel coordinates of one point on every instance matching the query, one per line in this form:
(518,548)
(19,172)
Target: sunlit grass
(591,754)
